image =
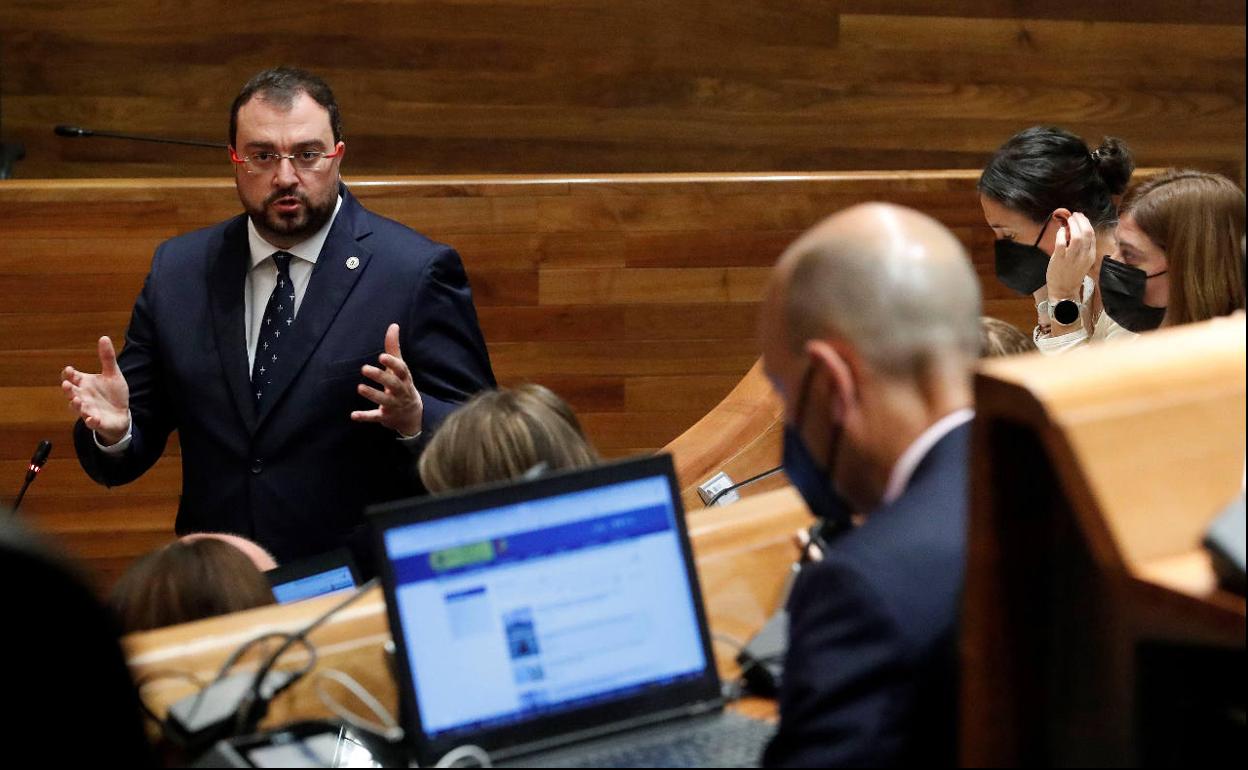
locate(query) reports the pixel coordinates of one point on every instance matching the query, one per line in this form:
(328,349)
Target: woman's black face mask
(1122,293)
(1021,267)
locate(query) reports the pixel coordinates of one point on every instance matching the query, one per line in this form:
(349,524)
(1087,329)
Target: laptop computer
(557,622)
(318,575)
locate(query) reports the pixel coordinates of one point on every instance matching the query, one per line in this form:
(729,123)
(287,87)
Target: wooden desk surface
(742,553)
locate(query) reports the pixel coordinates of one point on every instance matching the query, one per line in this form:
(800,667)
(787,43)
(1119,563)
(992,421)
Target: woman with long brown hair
(1180,255)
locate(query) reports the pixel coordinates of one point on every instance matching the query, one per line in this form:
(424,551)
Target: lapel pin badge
(353,263)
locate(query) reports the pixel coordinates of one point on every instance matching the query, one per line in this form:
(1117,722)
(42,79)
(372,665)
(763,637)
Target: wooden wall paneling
(633,296)
(592,86)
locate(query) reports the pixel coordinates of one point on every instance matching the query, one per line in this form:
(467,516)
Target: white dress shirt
(262,275)
(905,466)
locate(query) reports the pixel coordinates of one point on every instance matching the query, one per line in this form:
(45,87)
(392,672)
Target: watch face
(1066,312)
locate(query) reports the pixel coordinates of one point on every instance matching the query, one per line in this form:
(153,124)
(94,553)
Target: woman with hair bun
(1052,203)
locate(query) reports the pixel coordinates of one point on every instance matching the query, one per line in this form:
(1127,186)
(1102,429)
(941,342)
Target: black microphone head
(41,454)
(64,130)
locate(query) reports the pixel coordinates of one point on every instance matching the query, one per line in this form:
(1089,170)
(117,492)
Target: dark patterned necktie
(279,314)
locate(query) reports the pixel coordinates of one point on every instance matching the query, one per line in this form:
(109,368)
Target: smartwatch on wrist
(1065,311)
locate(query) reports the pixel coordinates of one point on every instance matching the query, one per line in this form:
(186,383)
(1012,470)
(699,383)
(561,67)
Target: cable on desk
(156,676)
(254,705)
(458,754)
(388,727)
(734,689)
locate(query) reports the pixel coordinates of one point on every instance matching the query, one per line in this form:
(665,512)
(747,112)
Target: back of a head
(501,434)
(998,339)
(1044,168)
(187,581)
(1197,219)
(894,283)
(263,560)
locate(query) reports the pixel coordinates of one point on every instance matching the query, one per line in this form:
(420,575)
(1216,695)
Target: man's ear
(841,369)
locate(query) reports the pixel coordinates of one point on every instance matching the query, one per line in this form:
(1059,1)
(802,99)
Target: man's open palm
(101,400)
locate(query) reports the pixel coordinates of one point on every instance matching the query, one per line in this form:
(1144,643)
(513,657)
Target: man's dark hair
(1044,168)
(280,86)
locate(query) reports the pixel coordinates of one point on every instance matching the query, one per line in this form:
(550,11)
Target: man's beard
(293,229)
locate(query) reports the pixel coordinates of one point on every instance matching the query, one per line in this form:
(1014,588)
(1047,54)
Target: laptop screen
(329,581)
(544,605)
(318,575)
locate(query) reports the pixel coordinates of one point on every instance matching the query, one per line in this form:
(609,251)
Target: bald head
(893,283)
(263,560)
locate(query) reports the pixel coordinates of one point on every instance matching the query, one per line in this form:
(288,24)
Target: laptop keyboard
(727,740)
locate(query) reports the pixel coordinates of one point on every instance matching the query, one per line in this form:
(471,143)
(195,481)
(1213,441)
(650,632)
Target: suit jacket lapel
(227,277)
(331,282)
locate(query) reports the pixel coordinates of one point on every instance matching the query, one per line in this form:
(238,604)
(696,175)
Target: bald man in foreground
(870,330)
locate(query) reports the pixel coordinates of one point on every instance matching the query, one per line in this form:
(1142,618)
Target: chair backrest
(1091,612)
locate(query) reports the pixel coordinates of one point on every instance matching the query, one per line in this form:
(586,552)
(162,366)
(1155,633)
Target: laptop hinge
(567,739)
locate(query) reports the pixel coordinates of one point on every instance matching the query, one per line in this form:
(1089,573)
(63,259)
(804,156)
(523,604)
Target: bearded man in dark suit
(302,350)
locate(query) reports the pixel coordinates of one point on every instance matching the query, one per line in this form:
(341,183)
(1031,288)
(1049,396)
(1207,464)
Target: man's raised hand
(399,406)
(101,400)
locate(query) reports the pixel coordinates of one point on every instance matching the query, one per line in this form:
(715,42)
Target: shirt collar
(905,466)
(308,249)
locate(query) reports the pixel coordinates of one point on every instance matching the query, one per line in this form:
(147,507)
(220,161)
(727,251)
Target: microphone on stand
(77,132)
(719,489)
(36,464)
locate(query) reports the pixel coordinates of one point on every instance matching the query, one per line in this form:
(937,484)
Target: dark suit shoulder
(193,253)
(206,240)
(913,551)
(397,237)
(844,689)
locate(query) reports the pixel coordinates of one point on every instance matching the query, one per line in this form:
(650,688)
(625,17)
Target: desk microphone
(711,495)
(36,464)
(77,132)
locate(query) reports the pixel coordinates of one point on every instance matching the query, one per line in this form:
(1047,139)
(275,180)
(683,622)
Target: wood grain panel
(633,296)
(591,86)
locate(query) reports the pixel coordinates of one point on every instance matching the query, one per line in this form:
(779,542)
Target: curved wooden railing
(742,436)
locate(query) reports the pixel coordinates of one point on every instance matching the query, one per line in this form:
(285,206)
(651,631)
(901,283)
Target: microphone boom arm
(75,132)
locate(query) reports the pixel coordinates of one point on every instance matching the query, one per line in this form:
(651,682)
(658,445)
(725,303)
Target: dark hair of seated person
(1044,168)
(187,581)
(70,699)
(501,434)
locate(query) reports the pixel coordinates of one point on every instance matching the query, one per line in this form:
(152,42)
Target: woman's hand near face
(1074,254)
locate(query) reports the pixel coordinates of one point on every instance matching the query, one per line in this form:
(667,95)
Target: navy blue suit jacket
(296,473)
(870,677)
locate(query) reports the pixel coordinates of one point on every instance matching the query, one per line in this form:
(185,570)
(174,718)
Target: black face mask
(1021,267)
(1122,293)
(813,482)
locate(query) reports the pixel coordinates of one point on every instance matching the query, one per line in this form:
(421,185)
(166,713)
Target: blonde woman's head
(500,435)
